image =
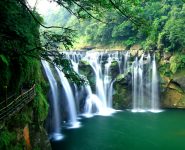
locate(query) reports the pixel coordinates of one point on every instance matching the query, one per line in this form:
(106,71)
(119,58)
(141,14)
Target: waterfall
(107,83)
(154,91)
(93,103)
(126,57)
(145,93)
(103,80)
(141,84)
(100,62)
(94,62)
(110,93)
(117,57)
(148,82)
(134,84)
(56,119)
(96,99)
(75,61)
(138,85)
(73,123)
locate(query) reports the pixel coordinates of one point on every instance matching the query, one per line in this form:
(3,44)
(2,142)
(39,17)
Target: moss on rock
(122,96)
(86,70)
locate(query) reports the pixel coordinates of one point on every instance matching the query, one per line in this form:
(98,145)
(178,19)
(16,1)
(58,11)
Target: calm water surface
(128,131)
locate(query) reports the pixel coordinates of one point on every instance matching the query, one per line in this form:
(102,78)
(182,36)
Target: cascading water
(75,59)
(73,123)
(110,93)
(126,58)
(145,92)
(100,102)
(143,81)
(107,82)
(56,119)
(93,103)
(141,86)
(148,81)
(98,98)
(154,91)
(134,84)
(117,57)
(103,81)
(94,62)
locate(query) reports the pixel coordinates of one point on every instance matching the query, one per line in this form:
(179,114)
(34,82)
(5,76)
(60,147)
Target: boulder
(39,138)
(167,55)
(86,70)
(180,81)
(171,98)
(122,96)
(173,93)
(136,50)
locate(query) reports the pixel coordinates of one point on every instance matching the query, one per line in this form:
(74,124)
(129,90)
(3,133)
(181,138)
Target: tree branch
(68,9)
(35,5)
(88,12)
(47,27)
(125,14)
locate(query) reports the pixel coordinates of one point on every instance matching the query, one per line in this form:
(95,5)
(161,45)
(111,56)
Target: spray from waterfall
(92,104)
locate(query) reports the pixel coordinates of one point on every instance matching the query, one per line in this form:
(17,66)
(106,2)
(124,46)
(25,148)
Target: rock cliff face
(122,95)
(24,131)
(173,89)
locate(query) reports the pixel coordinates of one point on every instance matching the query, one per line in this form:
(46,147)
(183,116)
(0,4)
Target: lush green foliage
(177,63)
(40,103)
(151,23)
(19,35)
(20,68)
(8,141)
(172,37)
(162,25)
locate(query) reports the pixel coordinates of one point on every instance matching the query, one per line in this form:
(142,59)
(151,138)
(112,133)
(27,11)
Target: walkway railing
(9,109)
